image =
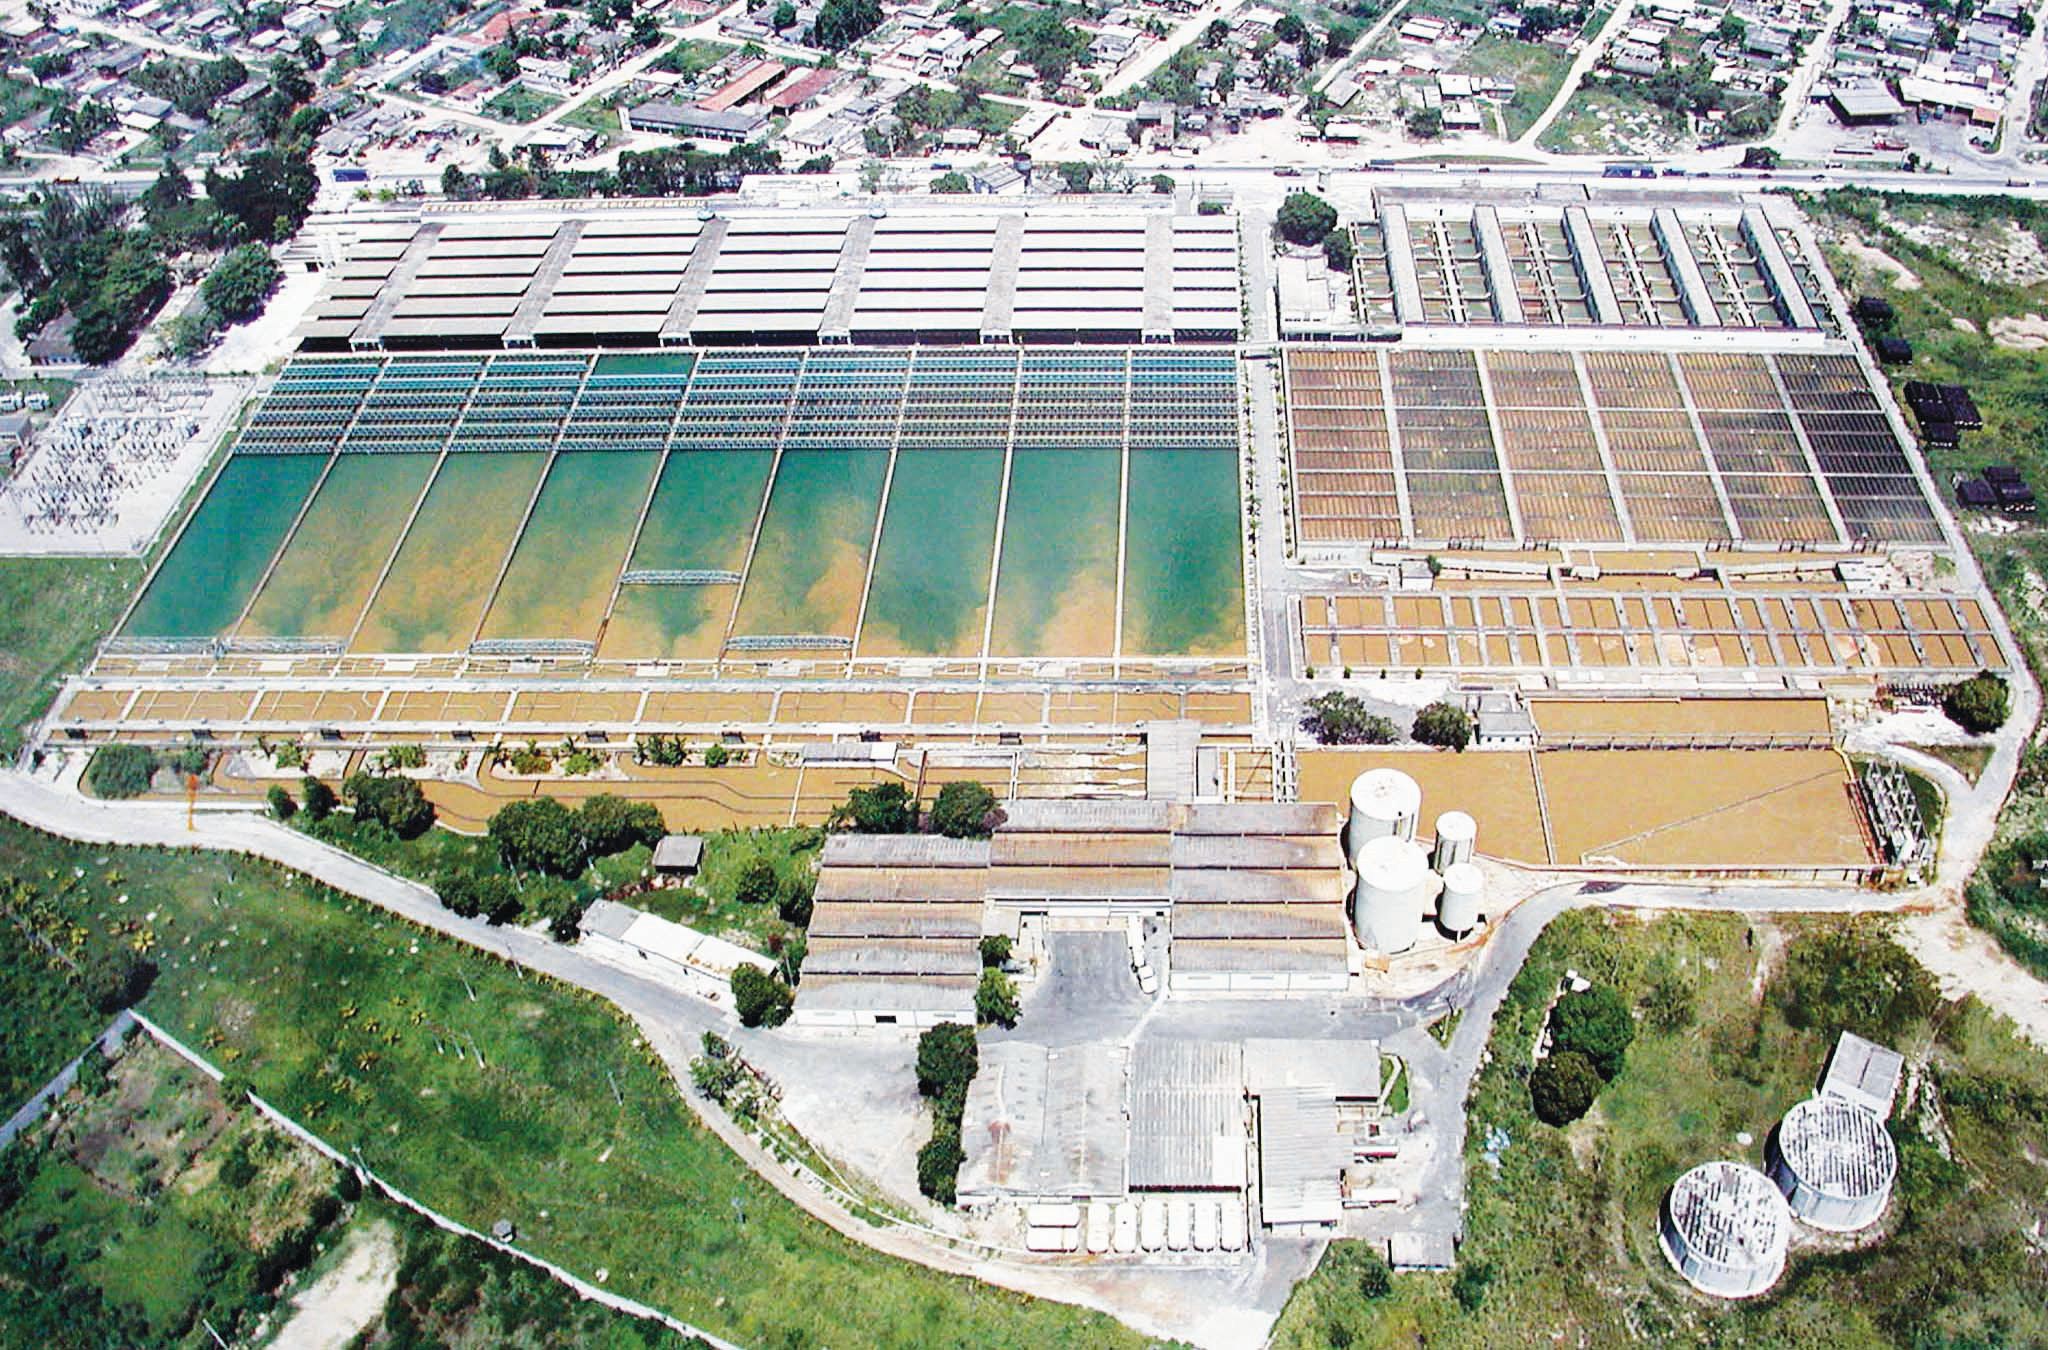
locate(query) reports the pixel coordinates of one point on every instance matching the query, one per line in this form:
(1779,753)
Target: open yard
(1561,1243)
(1604,121)
(491,1096)
(51,612)
(1537,70)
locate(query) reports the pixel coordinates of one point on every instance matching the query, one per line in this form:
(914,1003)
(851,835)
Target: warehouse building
(489,277)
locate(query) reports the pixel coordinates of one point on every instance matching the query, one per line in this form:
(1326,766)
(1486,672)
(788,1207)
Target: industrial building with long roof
(641,274)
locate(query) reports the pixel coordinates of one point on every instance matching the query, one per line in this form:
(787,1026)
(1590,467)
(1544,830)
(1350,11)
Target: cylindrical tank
(1724,1227)
(1457,908)
(1455,833)
(1835,1163)
(1393,875)
(1385,803)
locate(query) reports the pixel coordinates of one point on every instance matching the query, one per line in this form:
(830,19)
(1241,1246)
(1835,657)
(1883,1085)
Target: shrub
(885,808)
(1469,1285)
(189,760)
(760,999)
(947,1059)
(539,835)
(995,999)
(282,807)
(1979,705)
(1445,725)
(1375,1277)
(318,798)
(1563,1087)
(1338,251)
(406,756)
(581,763)
(348,1187)
(756,883)
(1339,719)
(612,824)
(236,1170)
(120,771)
(1595,1023)
(396,803)
(995,950)
(796,899)
(962,811)
(1854,977)
(938,1163)
(469,895)
(716,756)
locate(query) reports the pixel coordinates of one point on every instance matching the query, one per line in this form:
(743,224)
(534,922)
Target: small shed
(679,855)
(1864,1073)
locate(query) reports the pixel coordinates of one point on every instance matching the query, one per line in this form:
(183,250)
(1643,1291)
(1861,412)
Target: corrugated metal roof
(1256,956)
(1122,816)
(1301,1163)
(1079,883)
(892,956)
(1247,886)
(1258,921)
(1187,1115)
(903,850)
(840,919)
(844,993)
(1045,1121)
(885,885)
(1256,851)
(1315,818)
(1079,850)
(1346,1070)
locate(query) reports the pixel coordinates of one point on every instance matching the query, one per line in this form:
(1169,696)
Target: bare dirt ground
(349,1298)
(1895,271)
(1964,960)
(2027,333)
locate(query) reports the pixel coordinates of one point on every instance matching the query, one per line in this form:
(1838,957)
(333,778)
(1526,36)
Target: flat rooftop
(476,277)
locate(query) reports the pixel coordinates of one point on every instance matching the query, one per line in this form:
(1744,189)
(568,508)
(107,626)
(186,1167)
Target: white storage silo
(1456,833)
(1835,1163)
(1457,908)
(1393,877)
(1725,1227)
(1385,803)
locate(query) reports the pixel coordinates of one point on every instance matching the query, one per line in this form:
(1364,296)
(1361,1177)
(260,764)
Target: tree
(947,1060)
(282,807)
(1306,219)
(611,824)
(995,999)
(794,901)
(756,883)
(1424,124)
(240,283)
(1217,33)
(1375,1277)
(716,756)
(1445,725)
(120,770)
(1339,250)
(1341,38)
(1337,718)
(1855,978)
(938,1163)
(1076,175)
(841,23)
(1290,29)
(1979,705)
(1161,184)
(1759,157)
(785,16)
(1595,1023)
(759,998)
(318,798)
(397,803)
(539,835)
(995,951)
(962,810)
(271,195)
(951,183)
(1732,30)
(885,808)
(1562,1088)
(718,1071)
(816,164)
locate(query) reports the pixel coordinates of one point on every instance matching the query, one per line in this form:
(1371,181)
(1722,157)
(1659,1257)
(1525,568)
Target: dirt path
(349,1298)
(1900,275)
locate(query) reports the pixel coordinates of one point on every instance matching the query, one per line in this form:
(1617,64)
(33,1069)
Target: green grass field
(1538,72)
(1561,1244)
(52,610)
(710,902)
(362,1027)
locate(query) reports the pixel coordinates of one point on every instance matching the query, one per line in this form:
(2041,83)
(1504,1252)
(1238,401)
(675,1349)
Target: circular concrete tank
(1455,834)
(1835,1162)
(1385,803)
(1724,1227)
(1457,908)
(1393,874)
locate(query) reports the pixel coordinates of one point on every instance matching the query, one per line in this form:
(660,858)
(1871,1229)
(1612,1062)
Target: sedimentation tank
(1724,1227)
(1835,1163)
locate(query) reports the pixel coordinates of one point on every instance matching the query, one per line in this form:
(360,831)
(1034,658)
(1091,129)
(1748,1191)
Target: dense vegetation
(361,1017)
(1561,1231)
(947,1060)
